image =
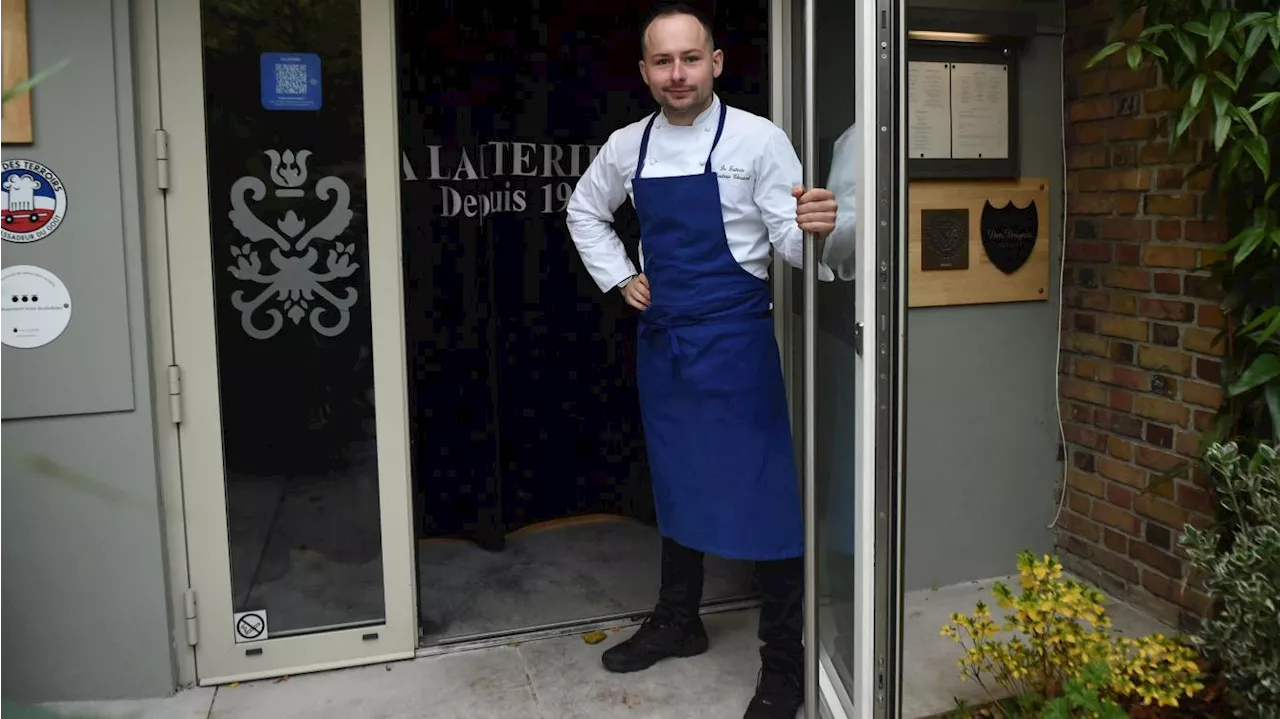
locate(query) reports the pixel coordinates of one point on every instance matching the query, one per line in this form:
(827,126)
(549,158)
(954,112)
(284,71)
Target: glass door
(284,241)
(848,349)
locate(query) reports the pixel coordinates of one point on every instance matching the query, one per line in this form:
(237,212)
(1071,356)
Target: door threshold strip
(563,629)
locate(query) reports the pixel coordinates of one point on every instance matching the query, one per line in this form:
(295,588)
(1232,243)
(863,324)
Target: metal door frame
(195,505)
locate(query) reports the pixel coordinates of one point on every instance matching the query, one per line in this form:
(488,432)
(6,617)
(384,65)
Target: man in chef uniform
(716,189)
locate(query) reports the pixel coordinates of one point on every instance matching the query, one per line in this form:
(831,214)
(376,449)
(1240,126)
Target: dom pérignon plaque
(1009,234)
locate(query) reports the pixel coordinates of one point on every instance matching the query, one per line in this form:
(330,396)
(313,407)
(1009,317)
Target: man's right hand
(636,292)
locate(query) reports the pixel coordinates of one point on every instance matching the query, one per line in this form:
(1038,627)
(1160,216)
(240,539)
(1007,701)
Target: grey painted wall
(85,604)
(982,432)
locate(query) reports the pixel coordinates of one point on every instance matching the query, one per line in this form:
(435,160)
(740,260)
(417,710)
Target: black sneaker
(779,695)
(654,641)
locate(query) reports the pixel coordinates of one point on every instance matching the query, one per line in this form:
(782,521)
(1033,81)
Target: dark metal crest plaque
(1009,234)
(944,240)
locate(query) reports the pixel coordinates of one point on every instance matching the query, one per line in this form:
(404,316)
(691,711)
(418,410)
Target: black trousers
(781,614)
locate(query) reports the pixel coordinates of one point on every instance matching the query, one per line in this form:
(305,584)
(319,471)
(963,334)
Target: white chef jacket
(757,167)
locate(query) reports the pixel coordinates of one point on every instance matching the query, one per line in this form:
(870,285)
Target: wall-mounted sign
(291,81)
(33,201)
(35,308)
(944,240)
(1009,234)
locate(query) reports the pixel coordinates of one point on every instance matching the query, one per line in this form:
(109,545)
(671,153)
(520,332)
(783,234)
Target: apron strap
(724,109)
(644,143)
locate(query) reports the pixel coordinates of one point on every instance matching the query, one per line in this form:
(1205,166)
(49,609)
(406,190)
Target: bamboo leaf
(1162,28)
(1264,100)
(1134,57)
(1257,147)
(1197,89)
(1249,241)
(1272,394)
(1104,53)
(1198,28)
(1227,80)
(1218,29)
(1188,46)
(1256,36)
(1263,370)
(1222,127)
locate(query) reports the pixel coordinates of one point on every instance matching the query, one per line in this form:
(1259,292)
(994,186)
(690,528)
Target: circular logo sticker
(35,307)
(33,201)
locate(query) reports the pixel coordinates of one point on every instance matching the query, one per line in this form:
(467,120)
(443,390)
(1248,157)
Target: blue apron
(712,398)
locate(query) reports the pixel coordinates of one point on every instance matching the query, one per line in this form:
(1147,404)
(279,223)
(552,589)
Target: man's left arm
(778,171)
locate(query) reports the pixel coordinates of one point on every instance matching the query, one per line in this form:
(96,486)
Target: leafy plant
(26,85)
(1057,629)
(1243,637)
(1224,56)
(1081,698)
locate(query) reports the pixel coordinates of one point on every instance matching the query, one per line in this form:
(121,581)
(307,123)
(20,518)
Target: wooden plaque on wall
(17,112)
(1009,265)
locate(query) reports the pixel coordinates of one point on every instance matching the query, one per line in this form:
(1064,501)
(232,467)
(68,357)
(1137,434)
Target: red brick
(1084,391)
(1186,258)
(1122,567)
(1157,460)
(1168,283)
(1088,133)
(1158,153)
(1123,228)
(1166,564)
(1093,82)
(1078,251)
(1124,156)
(1126,79)
(1126,203)
(1205,395)
(1163,512)
(1162,410)
(1194,499)
(1086,482)
(1124,303)
(1210,316)
(1172,204)
(1166,309)
(1120,496)
(1093,204)
(1095,300)
(1116,517)
(1203,341)
(1115,541)
(1085,344)
(1080,526)
(1164,360)
(1094,108)
(1080,158)
(1121,449)
(1120,400)
(1206,232)
(1127,279)
(1187,444)
(1120,472)
(1127,254)
(1110,180)
(1125,328)
(1169,178)
(1169,230)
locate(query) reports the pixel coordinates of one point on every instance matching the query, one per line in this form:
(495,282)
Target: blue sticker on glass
(290,81)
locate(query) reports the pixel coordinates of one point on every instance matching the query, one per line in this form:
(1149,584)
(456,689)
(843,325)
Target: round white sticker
(35,308)
(33,201)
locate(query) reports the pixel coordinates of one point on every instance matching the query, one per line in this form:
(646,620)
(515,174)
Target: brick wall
(1139,375)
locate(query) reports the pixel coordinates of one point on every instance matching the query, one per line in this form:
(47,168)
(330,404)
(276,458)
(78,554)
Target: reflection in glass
(836,362)
(284,111)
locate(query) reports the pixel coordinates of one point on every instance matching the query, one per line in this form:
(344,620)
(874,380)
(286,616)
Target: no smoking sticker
(35,307)
(251,626)
(33,201)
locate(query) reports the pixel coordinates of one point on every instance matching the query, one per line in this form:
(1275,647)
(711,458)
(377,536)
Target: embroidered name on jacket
(733,172)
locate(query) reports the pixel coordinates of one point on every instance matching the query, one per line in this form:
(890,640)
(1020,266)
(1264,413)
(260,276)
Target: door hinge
(857,338)
(162,159)
(189,609)
(175,394)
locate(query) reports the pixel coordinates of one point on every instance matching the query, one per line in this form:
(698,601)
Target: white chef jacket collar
(711,114)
